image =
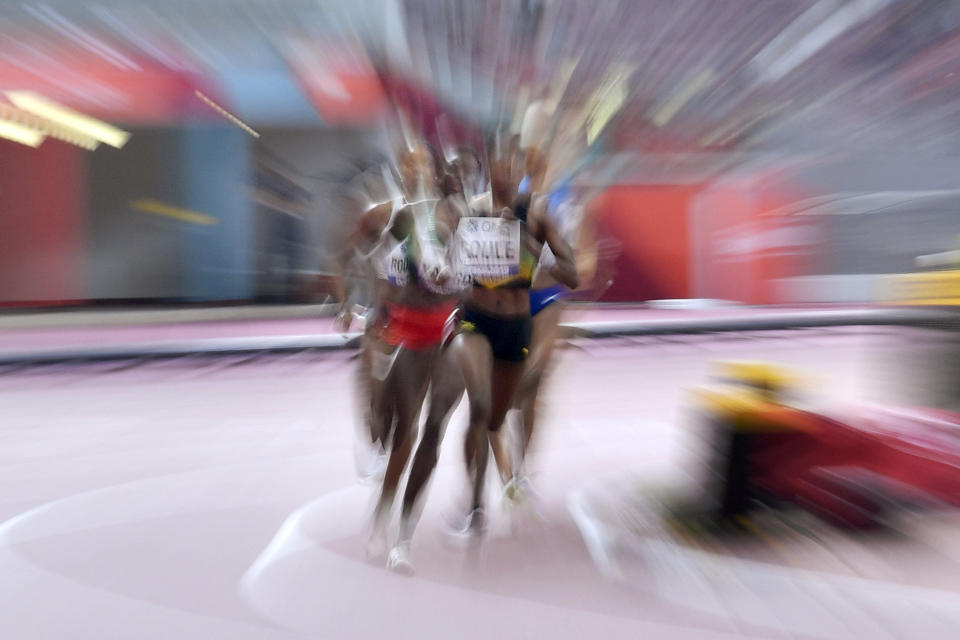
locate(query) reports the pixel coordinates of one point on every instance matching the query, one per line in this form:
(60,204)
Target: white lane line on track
(290,584)
(85,609)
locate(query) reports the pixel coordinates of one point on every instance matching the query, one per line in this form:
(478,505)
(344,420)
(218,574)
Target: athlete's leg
(546,333)
(381,359)
(505,378)
(475,357)
(364,392)
(446,389)
(406,386)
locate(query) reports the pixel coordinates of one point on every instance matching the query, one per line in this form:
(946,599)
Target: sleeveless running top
(394,262)
(434,257)
(389,255)
(398,261)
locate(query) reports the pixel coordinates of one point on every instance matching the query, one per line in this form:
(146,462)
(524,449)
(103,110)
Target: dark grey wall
(137,255)
(131,254)
(915,211)
(320,158)
(888,241)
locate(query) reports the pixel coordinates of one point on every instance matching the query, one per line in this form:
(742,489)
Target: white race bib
(489,247)
(397,267)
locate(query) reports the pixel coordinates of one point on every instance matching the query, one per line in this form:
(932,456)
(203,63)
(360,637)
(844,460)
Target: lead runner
(496,329)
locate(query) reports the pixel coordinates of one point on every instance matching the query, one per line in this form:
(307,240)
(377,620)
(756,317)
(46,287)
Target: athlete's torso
(497,259)
(397,270)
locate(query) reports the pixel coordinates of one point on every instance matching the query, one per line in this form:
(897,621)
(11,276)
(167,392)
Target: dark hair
(448,184)
(521,205)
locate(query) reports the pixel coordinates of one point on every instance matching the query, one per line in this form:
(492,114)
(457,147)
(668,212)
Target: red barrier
(43,205)
(650,223)
(745,238)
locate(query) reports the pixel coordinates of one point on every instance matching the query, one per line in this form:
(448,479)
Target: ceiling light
(62,115)
(20,133)
(46,127)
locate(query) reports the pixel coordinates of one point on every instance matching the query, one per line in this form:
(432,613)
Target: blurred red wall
(650,222)
(42,217)
(746,240)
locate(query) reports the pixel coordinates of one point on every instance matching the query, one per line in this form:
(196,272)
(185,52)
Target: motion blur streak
(282,278)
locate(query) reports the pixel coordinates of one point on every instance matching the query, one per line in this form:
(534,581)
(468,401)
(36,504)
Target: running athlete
(495,333)
(377,200)
(446,384)
(547,297)
(414,259)
(547,293)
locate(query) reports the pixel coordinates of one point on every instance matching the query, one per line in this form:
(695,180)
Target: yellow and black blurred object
(751,397)
(748,403)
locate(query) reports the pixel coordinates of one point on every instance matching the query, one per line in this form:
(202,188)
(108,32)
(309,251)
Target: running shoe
(370,460)
(470,530)
(399,559)
(519,494)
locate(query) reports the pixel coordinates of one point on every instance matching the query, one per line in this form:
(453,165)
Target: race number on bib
(397,266)
(489,246)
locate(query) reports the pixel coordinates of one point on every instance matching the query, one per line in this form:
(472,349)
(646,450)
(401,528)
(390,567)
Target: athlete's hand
(343,320)
(435,271)
(436,274)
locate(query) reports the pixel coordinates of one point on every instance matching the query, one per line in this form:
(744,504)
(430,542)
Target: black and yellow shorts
(509,336)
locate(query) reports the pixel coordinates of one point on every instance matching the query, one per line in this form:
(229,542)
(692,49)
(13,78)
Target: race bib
(397,266)
(489,247)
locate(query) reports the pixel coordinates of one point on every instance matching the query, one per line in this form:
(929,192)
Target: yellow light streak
(162,209)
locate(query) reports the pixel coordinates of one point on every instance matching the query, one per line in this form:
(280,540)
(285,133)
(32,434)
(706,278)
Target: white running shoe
(519,495)
(370,460)
(469,531)
(399,560)
(513,491)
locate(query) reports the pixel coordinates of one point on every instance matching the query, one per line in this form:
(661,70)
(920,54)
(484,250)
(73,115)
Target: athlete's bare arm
(364,235)
(545,231)
(586,251)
